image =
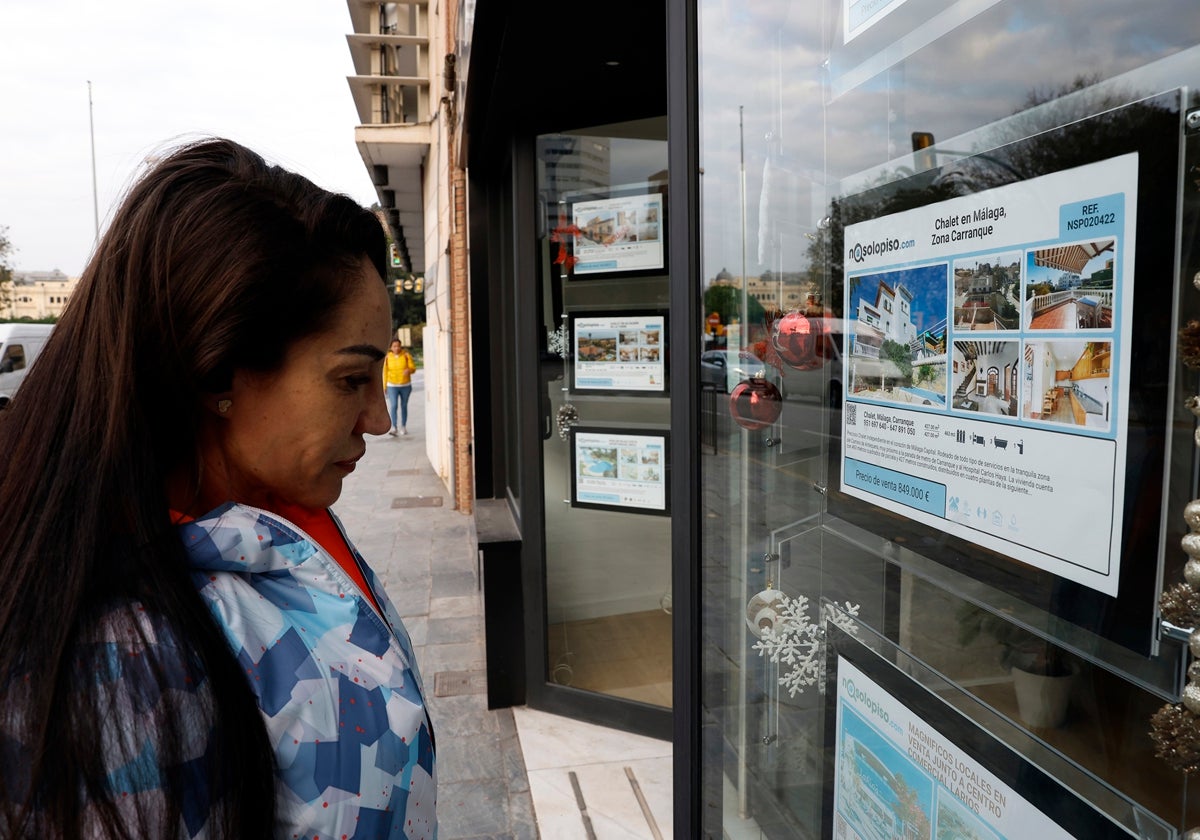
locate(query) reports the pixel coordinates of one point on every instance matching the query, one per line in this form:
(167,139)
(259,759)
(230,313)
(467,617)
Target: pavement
(507,774)
(400,516)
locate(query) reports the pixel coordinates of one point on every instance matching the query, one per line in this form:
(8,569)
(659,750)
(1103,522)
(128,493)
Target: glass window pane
(817,119)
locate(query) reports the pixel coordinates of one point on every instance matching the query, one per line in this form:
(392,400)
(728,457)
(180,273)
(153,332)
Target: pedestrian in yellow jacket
(398,368)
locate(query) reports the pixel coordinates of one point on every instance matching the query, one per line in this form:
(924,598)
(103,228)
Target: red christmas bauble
(755,404)
(795,338)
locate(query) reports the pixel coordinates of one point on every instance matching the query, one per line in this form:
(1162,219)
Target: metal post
(92,132)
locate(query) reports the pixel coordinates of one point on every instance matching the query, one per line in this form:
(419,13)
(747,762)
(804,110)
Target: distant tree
(6,270)
(726,301)
(408,305)
(1054,129)
(827,247)
(418,336)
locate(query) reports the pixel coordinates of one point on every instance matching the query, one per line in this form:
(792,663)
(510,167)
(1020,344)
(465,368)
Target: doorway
(606,460)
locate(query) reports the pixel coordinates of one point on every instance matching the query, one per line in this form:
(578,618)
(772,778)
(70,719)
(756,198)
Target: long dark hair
(215,261)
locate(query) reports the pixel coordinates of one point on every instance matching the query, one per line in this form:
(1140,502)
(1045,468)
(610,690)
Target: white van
(20,344)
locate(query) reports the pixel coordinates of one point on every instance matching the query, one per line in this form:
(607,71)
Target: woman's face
(292,435)
(396,346)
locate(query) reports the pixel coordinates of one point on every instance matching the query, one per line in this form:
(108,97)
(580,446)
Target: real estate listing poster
(1039,366)
(620,352)
(618,469)
(619,234)
(988,370)
(905,764)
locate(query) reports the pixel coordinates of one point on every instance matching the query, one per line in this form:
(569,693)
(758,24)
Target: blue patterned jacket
(336,681)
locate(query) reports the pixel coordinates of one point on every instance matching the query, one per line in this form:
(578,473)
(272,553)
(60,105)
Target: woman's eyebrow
(362,350)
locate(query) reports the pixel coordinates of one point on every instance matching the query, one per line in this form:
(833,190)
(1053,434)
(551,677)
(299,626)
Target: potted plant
(1041,672)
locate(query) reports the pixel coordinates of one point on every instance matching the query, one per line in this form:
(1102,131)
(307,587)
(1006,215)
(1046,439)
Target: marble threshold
(594,783)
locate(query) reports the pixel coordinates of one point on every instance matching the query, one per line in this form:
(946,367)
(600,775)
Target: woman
(398,369)
(189,645)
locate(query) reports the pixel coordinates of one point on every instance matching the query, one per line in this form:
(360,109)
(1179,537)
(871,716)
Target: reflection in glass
(797,122)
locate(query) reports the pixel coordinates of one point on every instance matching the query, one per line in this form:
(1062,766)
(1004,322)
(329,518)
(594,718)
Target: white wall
(438,402)
(439,425)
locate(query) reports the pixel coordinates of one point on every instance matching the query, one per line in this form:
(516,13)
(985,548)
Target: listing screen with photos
(987,366)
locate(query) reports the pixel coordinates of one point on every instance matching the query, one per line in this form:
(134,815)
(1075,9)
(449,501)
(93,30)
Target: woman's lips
(348,464)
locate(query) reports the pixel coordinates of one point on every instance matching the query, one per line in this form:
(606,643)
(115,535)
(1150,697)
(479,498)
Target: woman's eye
(356,382)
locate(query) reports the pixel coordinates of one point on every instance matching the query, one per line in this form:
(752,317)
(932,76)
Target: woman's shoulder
(133,649)
(153,734)
(128,621)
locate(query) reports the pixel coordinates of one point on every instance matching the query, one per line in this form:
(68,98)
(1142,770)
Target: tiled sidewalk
(424,552)
(398,513)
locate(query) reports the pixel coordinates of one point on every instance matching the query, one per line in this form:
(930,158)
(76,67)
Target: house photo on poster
(987,368)
(618,234)
(905,764)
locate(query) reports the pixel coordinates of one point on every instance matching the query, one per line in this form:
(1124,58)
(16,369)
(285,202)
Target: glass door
(605,403)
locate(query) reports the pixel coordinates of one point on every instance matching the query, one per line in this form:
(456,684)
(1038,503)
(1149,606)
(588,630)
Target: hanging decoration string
(1175,728)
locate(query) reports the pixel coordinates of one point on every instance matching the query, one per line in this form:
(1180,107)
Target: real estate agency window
(956,538)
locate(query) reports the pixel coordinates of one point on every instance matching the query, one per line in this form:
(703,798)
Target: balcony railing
(1044,302)
(390,48)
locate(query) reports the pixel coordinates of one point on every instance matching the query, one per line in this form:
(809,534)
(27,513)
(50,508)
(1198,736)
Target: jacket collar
(240,538)
(243,539)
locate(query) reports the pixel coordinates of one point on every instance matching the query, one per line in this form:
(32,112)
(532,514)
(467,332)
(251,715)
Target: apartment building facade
(904,614)
(403,55)
(38,294)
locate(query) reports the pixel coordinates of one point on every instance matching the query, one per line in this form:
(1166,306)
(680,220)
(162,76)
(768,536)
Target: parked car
(20,345)
(723,369)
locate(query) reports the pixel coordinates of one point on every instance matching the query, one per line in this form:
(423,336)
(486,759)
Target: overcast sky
(267,73)
(768,69)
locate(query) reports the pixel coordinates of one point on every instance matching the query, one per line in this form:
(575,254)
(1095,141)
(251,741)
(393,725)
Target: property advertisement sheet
(620,470)
(618,234)
(620,353)
(897,776)
(987,368)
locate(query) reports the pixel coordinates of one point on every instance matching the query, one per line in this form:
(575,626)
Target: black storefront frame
(683,219)
(503,261)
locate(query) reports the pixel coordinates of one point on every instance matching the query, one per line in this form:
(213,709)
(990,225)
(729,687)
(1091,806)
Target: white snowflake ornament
(796,643)
(559,340)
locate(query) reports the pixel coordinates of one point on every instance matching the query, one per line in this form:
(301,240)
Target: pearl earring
(223,405)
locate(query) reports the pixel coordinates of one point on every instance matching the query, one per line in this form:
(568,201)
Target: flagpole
(92,132)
